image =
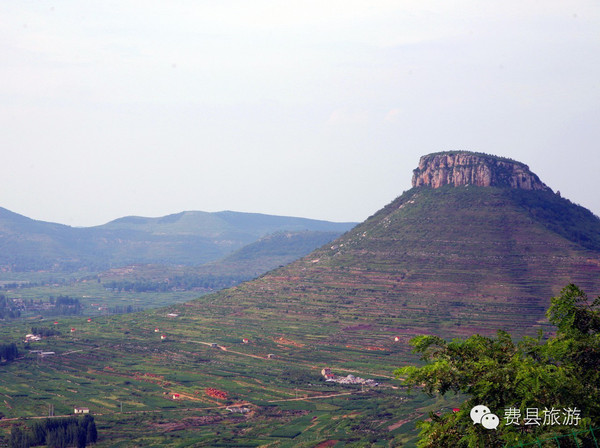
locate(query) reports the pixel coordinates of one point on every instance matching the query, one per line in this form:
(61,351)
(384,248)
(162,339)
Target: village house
(237,409)
(79,410)
(326,372)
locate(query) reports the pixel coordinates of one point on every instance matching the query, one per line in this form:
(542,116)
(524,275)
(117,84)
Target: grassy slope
(447,261)
(189,238)
(453,261)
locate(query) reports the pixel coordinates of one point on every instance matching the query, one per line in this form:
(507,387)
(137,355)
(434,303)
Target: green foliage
(44,331)
(124,309)
(188,238)
(8,308)
(11,308)
(569,220)
(64,306)
(560,372)
(186,282)
(8,352)
(56,433)
(473,153)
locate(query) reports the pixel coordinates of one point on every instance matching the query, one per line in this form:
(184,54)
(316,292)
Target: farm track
(316,397)
(225,349)
(146,411)
(296,362)
(151,411)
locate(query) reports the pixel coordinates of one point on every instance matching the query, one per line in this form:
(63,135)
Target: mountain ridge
(450,261)
(453,260)
(187,238)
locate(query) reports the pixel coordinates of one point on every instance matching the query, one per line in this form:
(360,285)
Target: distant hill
(278,248)
(478,244)
(188,238)
(269,252)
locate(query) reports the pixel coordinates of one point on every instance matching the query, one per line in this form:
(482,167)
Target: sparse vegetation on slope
(448,262)
(456,261)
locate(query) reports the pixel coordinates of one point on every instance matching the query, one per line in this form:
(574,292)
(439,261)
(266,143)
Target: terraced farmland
(451,261)
(119,368)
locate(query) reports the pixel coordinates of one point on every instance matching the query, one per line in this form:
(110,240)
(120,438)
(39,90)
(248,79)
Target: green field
(450,262)
(119,368)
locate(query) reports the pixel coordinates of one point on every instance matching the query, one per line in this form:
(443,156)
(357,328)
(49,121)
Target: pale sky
(319,109)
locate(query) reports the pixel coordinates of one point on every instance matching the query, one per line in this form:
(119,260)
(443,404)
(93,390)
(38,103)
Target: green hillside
(274,250)
(451,261)
(187,238)
(269,252)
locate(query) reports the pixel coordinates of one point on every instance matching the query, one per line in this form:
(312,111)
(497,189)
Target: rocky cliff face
(467,168)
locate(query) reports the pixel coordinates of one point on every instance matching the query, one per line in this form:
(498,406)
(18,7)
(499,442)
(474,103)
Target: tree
(81,437)
(17,438)
(561,372)
(92,432)
(56,433)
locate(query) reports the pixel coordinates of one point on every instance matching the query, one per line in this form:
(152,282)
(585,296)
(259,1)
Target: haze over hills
(478,244)
(269,252)
(186,238)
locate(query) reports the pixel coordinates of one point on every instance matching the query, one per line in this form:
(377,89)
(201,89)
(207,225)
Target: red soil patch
(215,393)
(287,342)
(188,423)
(397,425)
(327,444)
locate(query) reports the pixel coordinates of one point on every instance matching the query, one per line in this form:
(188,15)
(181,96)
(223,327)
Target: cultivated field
(228,394)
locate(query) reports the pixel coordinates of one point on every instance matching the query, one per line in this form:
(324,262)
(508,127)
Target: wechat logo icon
(482,414)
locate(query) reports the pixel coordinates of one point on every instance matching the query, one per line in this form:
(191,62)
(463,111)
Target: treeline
(11,308)
(65,306)
(50,263)
(8,308)
(56,433)
(8,352)
(122,309)
(45,332)
(14,285)
(578,225)
(183,282)
(30,284)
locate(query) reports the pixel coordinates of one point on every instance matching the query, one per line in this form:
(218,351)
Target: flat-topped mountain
(460,168)
(451,260)
(446,259)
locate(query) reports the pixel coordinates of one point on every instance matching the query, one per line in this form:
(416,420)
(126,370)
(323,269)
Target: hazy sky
(318,109)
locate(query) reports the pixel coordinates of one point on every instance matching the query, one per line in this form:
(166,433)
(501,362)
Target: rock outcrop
(468,168)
